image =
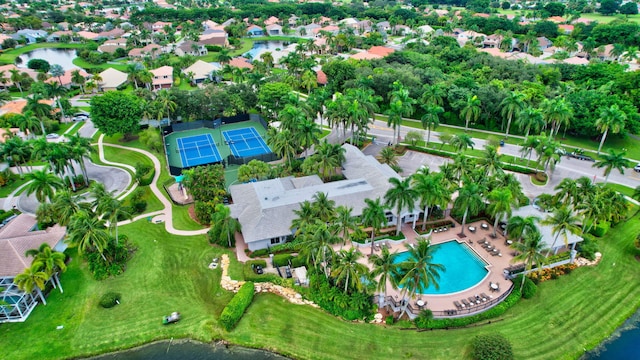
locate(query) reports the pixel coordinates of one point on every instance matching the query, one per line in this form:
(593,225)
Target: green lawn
(9,56)
(182,220)
(99,67)
(7,189)
(624,190)
(169,273)
(74,128)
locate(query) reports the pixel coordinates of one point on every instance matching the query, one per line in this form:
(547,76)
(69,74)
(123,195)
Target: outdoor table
(484,226)
(494,286)
(509,242)
(420,303)
(472,228)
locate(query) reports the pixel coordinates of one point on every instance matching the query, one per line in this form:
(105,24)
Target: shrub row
(232,313)
(491,347)
(551,274)
(529,289)
(600,229)
(147,178)
(352,306)
(495,311)
(291,246)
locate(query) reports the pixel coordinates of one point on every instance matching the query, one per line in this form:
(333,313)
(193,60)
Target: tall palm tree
(39,108)
(348,270)
(307,133)
(612,160)
(567,192)
(57,71)
(461,142)
(530,119)
(470,199)
(386,270)
(432,191)
(52,262)
(224,224)
(329,158)
(611,118)
(419,271)
(430,120)
(562,222)
(77,78)
(16,150)
(33,278)
(80,150)
(164,101)
(501,202)
(282,144)
(511,106)
(400,104)
(87,232)
(400,195)
(113,210)
(557,112)
(388,156)
(471,110)
(43,183)
(323,207)
(530,251)
(518,226)
(305,217)
(491,161)
(345,222)
(66,205)
(317,245)
(28,123)
(16,77)
(373,215)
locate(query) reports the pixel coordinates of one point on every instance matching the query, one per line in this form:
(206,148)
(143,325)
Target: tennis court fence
(213,124)
(233,160)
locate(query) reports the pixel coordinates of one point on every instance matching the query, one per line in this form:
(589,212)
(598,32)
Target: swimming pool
(463,268)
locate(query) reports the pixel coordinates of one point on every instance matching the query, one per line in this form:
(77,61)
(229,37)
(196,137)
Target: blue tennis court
(197,150)
(245,142)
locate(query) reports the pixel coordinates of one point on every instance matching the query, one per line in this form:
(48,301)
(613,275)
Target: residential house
(191,48)
(383,26)
(380,50)
(493,40)
(323,21)
(255,30)
(16,237)
(3,37)
(576,60)
(265,209)
(605,53)
(162,78)
(240,62)
(544,43)
(209,24)
(365,55)
(307,30)
(272,20)
(475,37)
(549,239)
(274,30)
(57,36)
(214,37)
(201,71)
(425,29)
(364,26)
(87,35)
(65,80)
(111,34)
(401,30)
(112,79)
(321,77)
(566,29)
(158,26)
(557,19)
(31,36)
(293,21)
(110,46)
(331,29)
(150,50)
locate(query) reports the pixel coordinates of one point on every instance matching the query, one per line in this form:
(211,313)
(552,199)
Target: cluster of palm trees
(320,224)
(60,158)
(45,266)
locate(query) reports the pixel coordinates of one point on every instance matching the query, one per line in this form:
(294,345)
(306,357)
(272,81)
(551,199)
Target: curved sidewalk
(168,206)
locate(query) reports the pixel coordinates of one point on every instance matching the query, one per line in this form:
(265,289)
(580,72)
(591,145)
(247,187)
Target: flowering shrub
(550,274)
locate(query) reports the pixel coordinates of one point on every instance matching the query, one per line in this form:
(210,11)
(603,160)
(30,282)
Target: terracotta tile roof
(240,63)
(17,106)
(321,77)
(380,50)
(365,56)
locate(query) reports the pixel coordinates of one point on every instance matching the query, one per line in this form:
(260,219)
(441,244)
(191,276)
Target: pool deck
(496,263)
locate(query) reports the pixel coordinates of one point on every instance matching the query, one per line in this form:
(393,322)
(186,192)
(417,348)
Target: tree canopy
(116,112)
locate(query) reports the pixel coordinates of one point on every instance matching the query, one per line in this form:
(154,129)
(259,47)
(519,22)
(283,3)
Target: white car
(52,136)
(637,168)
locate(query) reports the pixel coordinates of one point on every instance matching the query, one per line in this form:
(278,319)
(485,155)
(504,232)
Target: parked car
(637,168)
(257,269)
(80,117)
(580,156)
(52,136)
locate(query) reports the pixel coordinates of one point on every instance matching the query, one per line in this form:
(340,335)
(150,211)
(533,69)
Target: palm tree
(530,252)
(530,119)
(307,133)
(164,101)
(501,202)
(323,207)
(57,71)
(52,262)
(491,161)
(329,157)
(87,232)
(16,150)
(33,278)
(400,195)
(612,160)
(282,144)
(345,222)
(461,142)
(16,77)
(373,215)
(388,156)
(611,118)
(348,270)
(77,78)
(224,224)
(305,216)
(317,245)
(432,191)
(39,108)
(400,104)
(386,269)
(567,192)
(430,120)
(471,110)
(518,226)
(470,199)
(80,150)
(29,124)
(557,112)
(418,272)
(43,183)
(309,80)
(56,92)
(511,106)
(223,56)
(562,223)
(66,204)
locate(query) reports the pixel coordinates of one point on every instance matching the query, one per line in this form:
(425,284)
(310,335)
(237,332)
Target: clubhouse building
(265,209)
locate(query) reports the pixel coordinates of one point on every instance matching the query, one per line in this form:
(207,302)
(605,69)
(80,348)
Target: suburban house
(65,80)
(272,20)
(214,37)
(110,46)
(162,78)
(240,62)
(16,237)
(59,35)
(191,48)
(87,35)
(265,209)
(31,36)
(112,79)
(17,106)
(111,34)
(255,30)
(274,29)
(158,26)
(200,71)
(149,50)
(307,30)
(375,52)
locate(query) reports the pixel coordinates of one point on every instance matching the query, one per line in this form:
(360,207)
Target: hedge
(495,311)
(491,347)
(281,259)
(600,229)
(232,313)
(110,299)
(148,178)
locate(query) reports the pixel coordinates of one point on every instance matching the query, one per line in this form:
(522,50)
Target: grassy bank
(169,273)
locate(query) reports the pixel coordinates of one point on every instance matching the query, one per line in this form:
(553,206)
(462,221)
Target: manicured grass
(624,190)
(74,128)
(15,183)
(153,203)
(167,273)
(99,67)
(182,220)
(125,156)
(607,19)
(64,127)
(9,56)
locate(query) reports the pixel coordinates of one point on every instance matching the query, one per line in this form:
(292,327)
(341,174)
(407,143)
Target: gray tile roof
(265,208)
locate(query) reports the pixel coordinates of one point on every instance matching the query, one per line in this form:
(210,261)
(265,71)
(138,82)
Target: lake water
(62,57)
(624,343)
(260,47)
(165,350)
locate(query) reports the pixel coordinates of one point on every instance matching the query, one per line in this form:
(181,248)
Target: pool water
(463,268)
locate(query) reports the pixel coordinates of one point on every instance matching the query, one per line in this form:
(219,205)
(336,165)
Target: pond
(622,344)
(260,47)
(62,57)
(172,350)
